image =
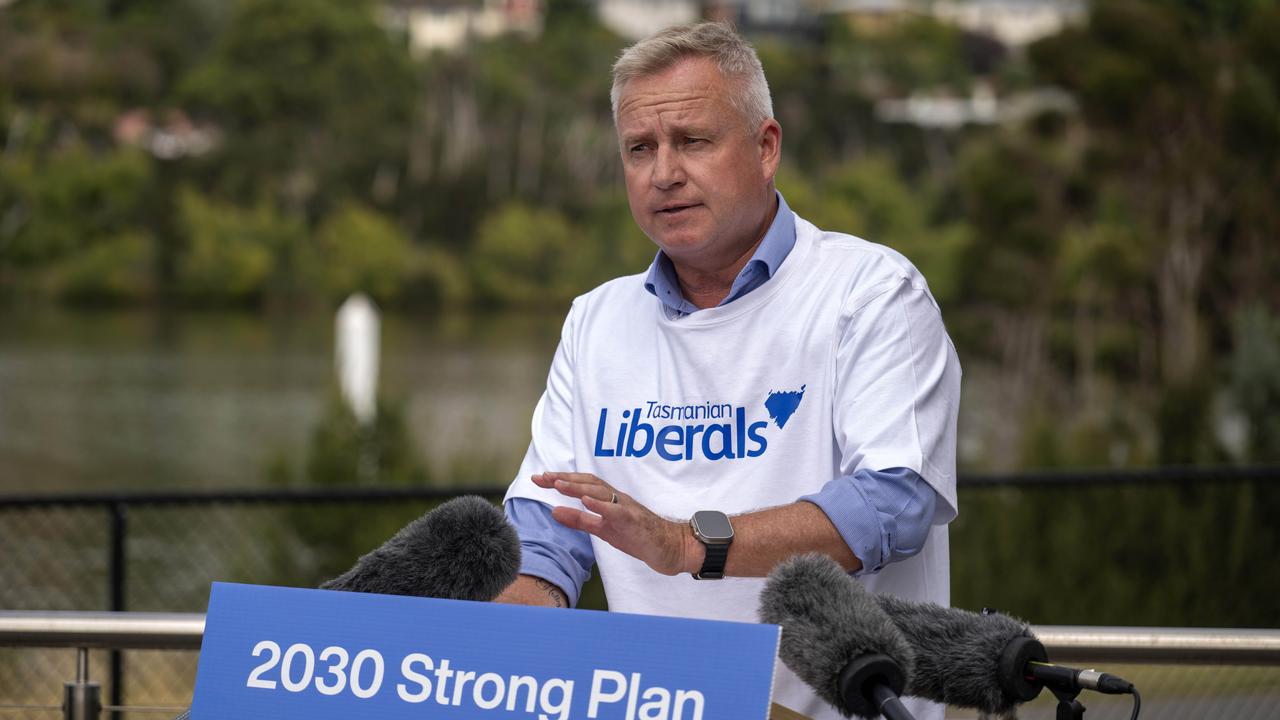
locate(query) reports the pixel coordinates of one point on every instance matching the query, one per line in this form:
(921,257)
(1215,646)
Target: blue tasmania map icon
(782,405)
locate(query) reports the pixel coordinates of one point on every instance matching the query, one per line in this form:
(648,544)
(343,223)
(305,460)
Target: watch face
(713,525)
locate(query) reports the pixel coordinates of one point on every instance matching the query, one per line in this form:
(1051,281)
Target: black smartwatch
(714,530)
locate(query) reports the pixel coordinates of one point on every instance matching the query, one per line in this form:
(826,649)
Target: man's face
(698,180)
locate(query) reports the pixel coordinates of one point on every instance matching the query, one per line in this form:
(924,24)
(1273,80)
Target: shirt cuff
(882,515)
(562,556)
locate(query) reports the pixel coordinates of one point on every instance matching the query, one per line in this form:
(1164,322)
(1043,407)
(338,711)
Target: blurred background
(190,188)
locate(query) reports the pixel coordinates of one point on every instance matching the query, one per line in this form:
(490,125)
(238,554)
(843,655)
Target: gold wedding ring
(614,499)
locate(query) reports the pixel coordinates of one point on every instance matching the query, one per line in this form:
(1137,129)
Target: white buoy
(357,329)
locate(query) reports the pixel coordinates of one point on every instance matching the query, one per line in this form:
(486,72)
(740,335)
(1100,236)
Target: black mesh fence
(160,553)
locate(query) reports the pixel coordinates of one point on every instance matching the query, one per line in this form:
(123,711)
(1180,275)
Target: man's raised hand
(667,546)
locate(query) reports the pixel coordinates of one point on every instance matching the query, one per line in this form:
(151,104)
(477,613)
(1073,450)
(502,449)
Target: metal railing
(82,697)
(184,631)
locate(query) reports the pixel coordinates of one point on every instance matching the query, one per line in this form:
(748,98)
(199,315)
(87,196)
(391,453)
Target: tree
(231,253)
(313,97)
(359,250)
(1179,100)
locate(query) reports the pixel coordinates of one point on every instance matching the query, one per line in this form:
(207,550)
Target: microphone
(836,638)
(462,550)
(989,661)
(965,659)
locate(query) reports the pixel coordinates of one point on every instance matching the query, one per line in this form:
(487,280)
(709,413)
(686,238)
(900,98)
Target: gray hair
(734,56)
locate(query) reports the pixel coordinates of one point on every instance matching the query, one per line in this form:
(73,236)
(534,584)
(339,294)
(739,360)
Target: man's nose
(668,172)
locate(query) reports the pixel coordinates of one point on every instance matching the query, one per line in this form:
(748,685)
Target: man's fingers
(574,489)
(576,485)
(547,479)
(577,519)
(587,491)
(577,477)
(604,508)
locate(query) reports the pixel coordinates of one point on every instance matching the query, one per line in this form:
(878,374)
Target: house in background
(1014,23)
(431,25)
(635,19)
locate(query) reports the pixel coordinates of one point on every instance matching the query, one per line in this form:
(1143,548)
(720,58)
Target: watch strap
(713,565)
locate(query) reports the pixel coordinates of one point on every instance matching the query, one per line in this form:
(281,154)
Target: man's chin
(679,235)
(679,243)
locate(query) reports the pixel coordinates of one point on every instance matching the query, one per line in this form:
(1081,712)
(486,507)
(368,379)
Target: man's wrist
(695,553)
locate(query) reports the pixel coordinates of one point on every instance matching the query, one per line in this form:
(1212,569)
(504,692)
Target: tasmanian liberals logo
(689,431)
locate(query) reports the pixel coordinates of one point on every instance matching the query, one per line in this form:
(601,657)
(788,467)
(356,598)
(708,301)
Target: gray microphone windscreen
(463,550)
(828,620)
(958,653)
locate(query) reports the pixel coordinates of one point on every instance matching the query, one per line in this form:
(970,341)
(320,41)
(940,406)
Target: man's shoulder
(860,260)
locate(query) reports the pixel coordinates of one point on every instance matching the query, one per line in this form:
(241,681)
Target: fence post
(81,700)
(119,534)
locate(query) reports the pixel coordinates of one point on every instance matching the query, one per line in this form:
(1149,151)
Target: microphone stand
(1068,707)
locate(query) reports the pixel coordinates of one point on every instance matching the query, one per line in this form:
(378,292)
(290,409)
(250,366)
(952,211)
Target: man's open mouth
(676,209)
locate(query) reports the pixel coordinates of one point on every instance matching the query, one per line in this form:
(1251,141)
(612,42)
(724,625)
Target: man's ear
(769,140)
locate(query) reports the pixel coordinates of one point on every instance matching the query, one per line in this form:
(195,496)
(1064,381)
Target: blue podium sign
(284,653)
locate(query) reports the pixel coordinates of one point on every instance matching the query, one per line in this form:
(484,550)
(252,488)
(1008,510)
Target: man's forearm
(530,590)
(764,538)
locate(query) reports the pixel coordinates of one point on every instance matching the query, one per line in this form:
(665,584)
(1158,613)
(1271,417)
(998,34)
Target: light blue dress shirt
(883,515)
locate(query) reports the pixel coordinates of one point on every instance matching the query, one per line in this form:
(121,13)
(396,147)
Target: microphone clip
(870,686)
(1023,686)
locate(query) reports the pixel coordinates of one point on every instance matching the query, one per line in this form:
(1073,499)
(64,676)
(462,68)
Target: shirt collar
(778,241)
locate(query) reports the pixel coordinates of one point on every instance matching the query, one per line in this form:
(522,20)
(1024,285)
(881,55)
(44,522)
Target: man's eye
(639,148)
(693,140)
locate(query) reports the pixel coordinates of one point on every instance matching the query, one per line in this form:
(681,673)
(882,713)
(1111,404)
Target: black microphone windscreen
(463,550)
(828,620)
(958,653)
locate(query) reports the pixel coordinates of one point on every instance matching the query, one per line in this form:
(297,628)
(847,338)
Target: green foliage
(230,252)
(526,256)
(1138,555)
(359,250)
(313,97)
(1097,257)
(67,202)
(617,243)
(437,277)
(1016,225)
(344,453)
(113,270)
(1255,379)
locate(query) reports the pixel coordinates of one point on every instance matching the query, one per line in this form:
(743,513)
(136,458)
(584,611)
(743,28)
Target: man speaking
(766,388)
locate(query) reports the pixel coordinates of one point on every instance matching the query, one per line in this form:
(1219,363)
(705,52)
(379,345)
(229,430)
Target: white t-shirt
(839,362)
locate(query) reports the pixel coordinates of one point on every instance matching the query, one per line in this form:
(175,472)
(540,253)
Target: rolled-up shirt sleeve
(883,515)
(562,556)
(897,391)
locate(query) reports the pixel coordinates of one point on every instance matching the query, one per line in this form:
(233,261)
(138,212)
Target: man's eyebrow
(635,137)
(670,127)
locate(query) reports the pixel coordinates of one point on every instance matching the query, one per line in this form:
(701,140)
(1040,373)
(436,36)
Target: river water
(142,400)
(128,399)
